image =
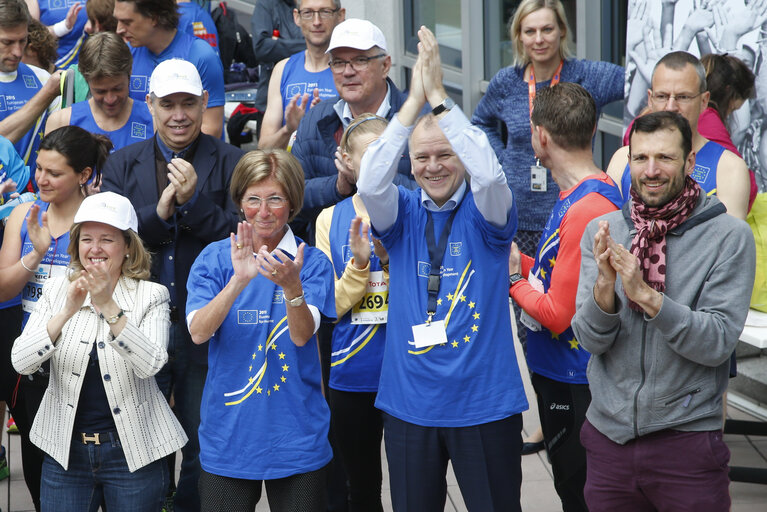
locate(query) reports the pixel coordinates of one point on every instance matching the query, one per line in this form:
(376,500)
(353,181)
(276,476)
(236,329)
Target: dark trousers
(664,471)
(23,397)
(562,409)
(358,429)
(486,460)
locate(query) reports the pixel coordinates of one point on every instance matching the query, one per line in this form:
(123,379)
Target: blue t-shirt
(473,378)
(357,349)
(706,163)
(137,128)
(53,264)
(13,96)
(186,47)
(560,357)
(263,415)
(13,166)
(53,11)
(297,80)
(196,21)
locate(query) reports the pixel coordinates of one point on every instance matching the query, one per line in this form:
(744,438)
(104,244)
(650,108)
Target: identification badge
(426,335)
(538,178)
(374,306)
(528,321)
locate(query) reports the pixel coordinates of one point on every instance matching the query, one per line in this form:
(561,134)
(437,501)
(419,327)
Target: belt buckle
(91,439)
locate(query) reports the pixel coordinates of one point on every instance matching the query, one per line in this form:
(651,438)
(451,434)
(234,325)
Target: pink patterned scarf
(652,224)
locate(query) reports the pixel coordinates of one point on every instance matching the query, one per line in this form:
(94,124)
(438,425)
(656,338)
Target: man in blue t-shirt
(450,386)
(150,27)
(27,94)
(302,76)
(196,20)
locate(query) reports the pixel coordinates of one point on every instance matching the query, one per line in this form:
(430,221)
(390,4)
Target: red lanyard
(531,85)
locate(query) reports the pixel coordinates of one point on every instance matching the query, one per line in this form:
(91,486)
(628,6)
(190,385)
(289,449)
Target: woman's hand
(76,293)
(380,251)
(95,279)
(281,270)
(39,235)
(359,243)
(244,264)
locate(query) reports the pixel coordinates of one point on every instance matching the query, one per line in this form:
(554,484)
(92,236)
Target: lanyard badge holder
(538,173)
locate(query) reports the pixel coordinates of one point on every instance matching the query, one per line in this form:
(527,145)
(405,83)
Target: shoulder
(200,51)
(729,161)
(41,74)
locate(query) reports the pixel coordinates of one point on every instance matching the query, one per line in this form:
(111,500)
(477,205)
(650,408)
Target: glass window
(444,17)
(499,52)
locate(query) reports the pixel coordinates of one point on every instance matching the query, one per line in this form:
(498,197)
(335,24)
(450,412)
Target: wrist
(360,264)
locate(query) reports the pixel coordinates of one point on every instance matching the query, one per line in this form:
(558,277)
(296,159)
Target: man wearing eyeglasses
(178,181)
(679,85)
(360,64)
(302,78)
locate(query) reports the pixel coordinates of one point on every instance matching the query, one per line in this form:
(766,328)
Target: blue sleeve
(211,72)
(318,283)
(486,117)
(13,166)
(604,81)
(208,275)
(497,238)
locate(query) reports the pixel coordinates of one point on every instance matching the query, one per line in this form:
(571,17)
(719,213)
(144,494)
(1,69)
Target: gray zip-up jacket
(668,372)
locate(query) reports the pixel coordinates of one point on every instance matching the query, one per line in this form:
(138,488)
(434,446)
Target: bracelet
(60,29)
(112,319)
(25,267)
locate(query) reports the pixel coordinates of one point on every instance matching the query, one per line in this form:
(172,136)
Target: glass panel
(442,16)
(498,48)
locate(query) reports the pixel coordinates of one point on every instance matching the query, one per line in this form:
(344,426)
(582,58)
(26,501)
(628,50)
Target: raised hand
(359,242)
(76,292)
(96,280)
(281,270)
(380,251)
(166,206)
(71,18)
(244,264)
(602,253)
(432,67)
(39,235)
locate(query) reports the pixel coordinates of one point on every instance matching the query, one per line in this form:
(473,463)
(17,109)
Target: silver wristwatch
(295,302)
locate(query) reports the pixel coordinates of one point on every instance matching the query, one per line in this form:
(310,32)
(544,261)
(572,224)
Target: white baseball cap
(358,34)
(108,208)
(175,75)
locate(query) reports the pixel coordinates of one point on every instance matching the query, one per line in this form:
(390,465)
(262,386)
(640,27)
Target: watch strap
(112,319)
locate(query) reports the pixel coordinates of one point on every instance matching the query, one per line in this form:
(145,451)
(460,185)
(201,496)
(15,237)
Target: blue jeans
(100,472)
(185,379)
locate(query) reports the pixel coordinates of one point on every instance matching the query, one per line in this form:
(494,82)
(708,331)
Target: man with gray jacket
(663,295)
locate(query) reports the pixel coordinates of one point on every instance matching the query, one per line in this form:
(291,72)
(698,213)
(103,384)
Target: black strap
(436,255)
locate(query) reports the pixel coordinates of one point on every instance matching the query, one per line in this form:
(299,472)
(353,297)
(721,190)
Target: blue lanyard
(436,255)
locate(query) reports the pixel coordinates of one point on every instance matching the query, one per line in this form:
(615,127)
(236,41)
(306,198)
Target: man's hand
(416,98)
(604,288)
(294,111)
(183,178)
(637,290)
(432,67)
(515,260)
(52,88)
(166,205)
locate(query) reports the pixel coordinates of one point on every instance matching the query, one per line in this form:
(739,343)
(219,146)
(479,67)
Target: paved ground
(538,493)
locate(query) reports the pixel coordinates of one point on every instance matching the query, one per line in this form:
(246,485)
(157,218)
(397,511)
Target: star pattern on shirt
(574,345)
(552,261)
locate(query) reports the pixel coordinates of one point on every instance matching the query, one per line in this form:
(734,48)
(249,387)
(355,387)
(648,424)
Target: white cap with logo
(175,75)
(358,34)
(108,208)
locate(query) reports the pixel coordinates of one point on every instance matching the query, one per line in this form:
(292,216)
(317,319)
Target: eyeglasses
(357,63)
(272,202)
(325,14)
(661,98)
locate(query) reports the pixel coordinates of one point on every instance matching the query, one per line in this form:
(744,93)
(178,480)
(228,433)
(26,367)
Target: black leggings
(358,428)
(304,492)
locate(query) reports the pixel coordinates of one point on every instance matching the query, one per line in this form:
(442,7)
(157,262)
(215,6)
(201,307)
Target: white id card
(537,178)
(528,321)
(374,306)
(426,335)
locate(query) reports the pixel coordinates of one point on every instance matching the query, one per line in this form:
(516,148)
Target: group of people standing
(177,269)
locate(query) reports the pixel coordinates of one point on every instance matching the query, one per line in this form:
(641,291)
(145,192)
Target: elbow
(299,340)
(198,338)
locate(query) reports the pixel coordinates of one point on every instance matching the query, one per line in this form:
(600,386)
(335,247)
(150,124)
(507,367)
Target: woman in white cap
(103,423)
(35,248)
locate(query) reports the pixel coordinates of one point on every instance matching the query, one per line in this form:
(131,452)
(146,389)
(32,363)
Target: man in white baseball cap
(178,182)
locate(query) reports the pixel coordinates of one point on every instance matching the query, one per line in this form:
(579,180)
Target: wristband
(24,265)
(60,29)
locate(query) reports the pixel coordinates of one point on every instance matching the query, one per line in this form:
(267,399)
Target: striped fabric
(147,428)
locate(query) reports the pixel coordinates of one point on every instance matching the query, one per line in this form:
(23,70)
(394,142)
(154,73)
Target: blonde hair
(515,28)
(258,165)
(137,263)
(361,125)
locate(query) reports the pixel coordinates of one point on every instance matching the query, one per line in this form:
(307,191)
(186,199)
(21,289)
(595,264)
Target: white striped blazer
(147,428)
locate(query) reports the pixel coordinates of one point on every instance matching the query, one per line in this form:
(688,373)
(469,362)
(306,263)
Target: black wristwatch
(446,104)
(513,278)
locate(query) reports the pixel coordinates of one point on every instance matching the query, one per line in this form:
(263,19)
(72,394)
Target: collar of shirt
(449,205)
(345,113)
(168,153)
(8,77)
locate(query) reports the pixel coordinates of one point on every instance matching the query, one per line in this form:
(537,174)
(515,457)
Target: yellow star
(449,296)
(283,379)
(439,302)
(276,387)
(285,367)
(254,355)
(554,335)
(476,316)
(454,344)
(251,368)
(471,305)
(251,379)
(474,328)
(543,273)
(258,390)
(573,344)
(274,346)
(260,347)
(553,261)
(269,392)
(282,355)
(466,338)
(463,298)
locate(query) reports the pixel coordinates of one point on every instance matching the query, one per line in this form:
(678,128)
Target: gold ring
(239,246)
(274,272)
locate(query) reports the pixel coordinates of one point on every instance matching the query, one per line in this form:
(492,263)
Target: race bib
(528,321)
(374,306)
(33,290)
